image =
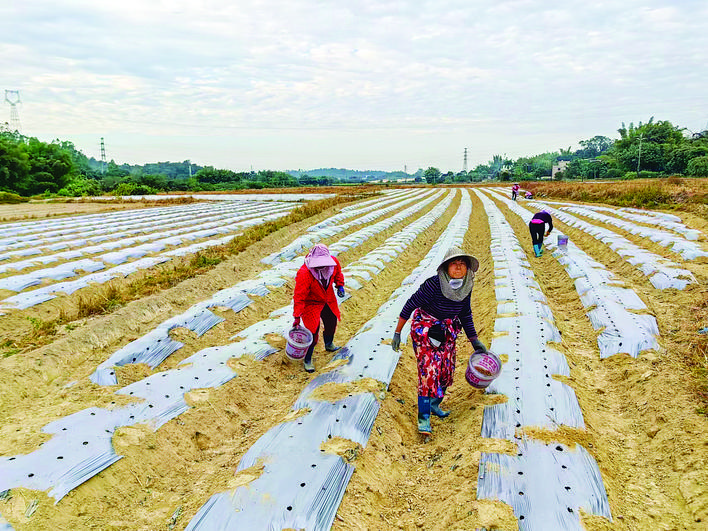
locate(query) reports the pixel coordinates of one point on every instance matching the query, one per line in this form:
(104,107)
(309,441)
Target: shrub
(614,173)
(698,167)
(8,198)
(80,187)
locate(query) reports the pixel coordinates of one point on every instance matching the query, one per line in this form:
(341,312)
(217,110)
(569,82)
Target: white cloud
(313,83)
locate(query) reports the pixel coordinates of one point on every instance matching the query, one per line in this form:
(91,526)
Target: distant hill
(354,175)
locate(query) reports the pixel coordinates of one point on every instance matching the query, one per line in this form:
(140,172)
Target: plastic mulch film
(610,307)
(154,347)
(545,484)
(668,274)
(5,525)
(649,217)
(22,282)
(81,446)
(301,486)
(307,240)
(180,219)
(535,399)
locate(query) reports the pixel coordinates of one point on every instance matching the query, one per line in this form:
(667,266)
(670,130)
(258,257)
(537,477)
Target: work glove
(340,291)
(396,341)
(296,322)
(478,345)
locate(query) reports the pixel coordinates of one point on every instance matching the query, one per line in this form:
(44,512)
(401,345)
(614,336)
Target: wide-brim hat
(319,257)
(456,252)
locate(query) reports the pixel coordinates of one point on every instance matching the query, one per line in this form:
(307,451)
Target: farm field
(179,410)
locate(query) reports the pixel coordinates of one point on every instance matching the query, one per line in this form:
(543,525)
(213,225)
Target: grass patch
(672,193)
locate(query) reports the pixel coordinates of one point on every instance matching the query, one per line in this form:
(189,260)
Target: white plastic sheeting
(689,250)
(662,273)
(328,230)
(55,235)
(156,346)
(81,446)
(81,443)
(26,300)
(541,475)
(648,217)
(221,225)
(610,304)
(301,486)
(535,399)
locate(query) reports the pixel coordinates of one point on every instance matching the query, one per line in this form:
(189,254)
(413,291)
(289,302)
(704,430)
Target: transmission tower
(13,98)
(103,157)
(464,164)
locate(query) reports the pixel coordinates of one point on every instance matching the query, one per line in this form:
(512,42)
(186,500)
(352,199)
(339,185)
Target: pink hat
(319,257)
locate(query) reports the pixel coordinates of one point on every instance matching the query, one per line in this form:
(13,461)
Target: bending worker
(314,300)
(515,191)
(537,226)
(440,308)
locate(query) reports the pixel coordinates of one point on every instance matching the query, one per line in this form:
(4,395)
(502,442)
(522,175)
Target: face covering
(456,283)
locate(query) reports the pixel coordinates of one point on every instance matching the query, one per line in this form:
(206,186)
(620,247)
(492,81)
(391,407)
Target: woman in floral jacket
(440,309)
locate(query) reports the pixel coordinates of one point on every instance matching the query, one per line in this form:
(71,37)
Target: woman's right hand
(396,341)
(296,322)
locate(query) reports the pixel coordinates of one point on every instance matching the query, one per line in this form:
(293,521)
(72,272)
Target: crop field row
(180,410)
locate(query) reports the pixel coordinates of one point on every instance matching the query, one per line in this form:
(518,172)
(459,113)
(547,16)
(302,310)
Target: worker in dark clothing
(537,226)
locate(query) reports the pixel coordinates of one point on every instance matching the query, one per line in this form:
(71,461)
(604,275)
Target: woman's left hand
(340,291)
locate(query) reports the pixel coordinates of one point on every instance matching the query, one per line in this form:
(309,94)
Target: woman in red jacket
(314,299)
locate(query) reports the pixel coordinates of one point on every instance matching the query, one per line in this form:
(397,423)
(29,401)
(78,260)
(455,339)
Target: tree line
(31,167)
(652,149)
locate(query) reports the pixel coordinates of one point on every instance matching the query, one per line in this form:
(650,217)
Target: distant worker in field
(537,226)
(314,299)
(515,191)
(528,195)
(440,309)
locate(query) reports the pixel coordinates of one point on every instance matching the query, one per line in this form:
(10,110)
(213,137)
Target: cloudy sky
(362,84)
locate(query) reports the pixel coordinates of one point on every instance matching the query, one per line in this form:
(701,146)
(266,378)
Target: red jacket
(310,297)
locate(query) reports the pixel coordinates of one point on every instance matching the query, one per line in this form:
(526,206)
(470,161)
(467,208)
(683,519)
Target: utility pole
(464,164)
(639,158)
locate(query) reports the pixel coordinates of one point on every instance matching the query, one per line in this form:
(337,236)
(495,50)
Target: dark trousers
(537,230)
(330,326)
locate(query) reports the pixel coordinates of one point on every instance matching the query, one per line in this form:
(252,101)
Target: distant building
(561,165)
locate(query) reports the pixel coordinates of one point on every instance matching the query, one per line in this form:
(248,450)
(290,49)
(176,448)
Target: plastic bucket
(298,339)
(482,369)
(562,241)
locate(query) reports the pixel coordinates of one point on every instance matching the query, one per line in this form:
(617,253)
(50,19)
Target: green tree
(698,167)
(14,166)
(432,175)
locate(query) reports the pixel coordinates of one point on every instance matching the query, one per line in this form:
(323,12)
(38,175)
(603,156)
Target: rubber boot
(307,363)
(424,415)
(435,408)
(537,250)
(540,249)
(329,344)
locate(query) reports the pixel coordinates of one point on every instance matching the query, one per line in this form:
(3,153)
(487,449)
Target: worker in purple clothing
(440,309)
(537,227)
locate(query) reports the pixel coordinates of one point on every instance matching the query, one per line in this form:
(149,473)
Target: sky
(359,84)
